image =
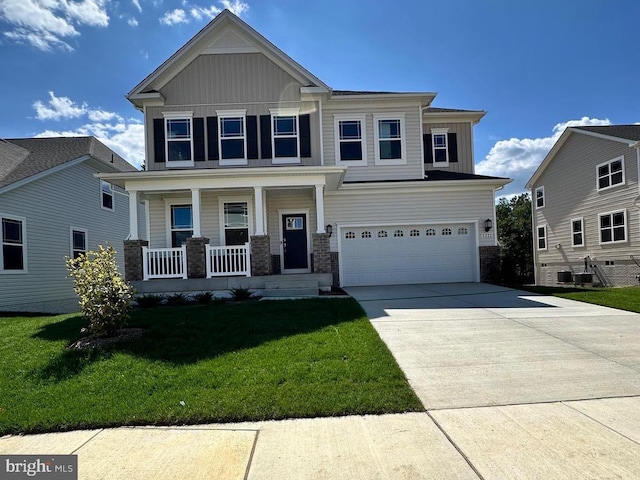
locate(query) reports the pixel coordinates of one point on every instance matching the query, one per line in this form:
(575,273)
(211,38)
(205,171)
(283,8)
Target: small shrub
(177,299)
(203,298)
(149,300)
(105,297)
(240,294)
(219,301)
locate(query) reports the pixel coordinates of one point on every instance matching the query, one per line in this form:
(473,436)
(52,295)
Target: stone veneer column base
(133,259)
(490,264)
(197,257)
(321,253)
(260,255)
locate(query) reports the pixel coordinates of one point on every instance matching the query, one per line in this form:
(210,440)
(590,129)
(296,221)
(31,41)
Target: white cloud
(136,3)
(57,108)
(132,22)
(199,13)
(518,158)
(236,6)
(174,17)
(46,24)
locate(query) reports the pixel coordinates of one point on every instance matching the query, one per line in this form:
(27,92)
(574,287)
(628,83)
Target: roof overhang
(423,98)
(439,117)
(483,184)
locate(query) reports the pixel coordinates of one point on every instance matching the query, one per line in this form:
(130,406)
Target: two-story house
(256,167)
(585,200)
(52,206)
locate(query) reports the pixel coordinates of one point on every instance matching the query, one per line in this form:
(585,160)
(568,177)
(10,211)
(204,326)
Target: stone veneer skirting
(260,255)
(197,257)
(321,254)
(133,259)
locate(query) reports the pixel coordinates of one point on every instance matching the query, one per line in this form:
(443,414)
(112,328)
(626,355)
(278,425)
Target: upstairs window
(613,227)
(542,237)
(106,190)
(389,141)
(181,224)
(78,242)
(232,139)
(350,140)
(285,138)
(610,173)
(577,232)
(539,197)
(179,139)
(13,245)
(440,146)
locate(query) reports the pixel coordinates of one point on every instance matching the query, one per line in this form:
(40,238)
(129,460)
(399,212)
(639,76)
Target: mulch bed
(93,341)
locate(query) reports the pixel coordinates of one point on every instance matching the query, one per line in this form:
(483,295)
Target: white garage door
(388,255)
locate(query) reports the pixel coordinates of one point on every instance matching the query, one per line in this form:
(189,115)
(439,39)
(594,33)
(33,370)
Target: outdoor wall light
(329,229)
(488,224)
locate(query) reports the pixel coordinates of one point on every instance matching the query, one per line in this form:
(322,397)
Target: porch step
(283,287)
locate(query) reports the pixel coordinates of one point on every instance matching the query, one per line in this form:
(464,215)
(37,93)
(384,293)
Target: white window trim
(238,199)
(626,229)
(544,200)
(581,220)
(445,132)
(113,197)
(362,118)
(168,203)
(24,246)
(376,136)
(86,239)
(284,112)
(624,180)
(177,116)
(222,114)
(546,237)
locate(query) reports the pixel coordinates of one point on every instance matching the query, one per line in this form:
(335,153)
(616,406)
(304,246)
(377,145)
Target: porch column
(133,215)
(320,208)
(259,211)
(195,208)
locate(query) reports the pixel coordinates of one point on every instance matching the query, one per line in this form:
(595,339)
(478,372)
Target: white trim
(609,162)
(113,197)
(86,239)
(133,215)
(535,196)
(546,237)
(177,116)
(25,268)
(321,136)
(147,220)
(168,203)
(285,112)
(423,165)
(222,114)
(445,132)
(626,229)
(377,117)
(343,117)
(258,196)
(235,199)
(296,211)
(581,220)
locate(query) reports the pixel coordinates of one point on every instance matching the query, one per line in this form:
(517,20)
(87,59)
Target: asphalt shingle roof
(627,132)
(449,110)
(21,158)
(434,176)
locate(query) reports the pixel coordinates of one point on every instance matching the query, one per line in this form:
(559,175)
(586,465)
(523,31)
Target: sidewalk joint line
(88,440)
(599,422)
(253,450)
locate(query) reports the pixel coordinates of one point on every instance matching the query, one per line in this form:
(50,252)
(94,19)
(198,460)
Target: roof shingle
(627,132)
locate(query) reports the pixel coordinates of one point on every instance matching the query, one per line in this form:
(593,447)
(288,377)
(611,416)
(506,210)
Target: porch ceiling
(163,180)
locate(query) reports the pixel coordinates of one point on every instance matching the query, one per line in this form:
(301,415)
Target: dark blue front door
(294,241)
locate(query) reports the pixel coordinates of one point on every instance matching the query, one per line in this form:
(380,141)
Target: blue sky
(534,66)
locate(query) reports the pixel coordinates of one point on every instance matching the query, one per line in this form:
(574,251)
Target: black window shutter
(427,143)
(305,135)
(212,137)
(252,137)
(265,135)
(198,139)
(158,140)
(452,142)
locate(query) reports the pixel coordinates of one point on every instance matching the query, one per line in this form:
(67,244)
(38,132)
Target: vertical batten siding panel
(50,206)
(570,192)
(465,146)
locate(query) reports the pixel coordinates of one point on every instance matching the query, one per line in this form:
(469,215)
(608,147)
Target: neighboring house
(585,200)
(256,167)
(52,206)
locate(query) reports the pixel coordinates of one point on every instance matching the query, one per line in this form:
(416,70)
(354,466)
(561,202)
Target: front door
(295,251)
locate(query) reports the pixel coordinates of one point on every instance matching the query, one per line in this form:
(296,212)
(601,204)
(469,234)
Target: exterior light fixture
(488,224)
(329,229)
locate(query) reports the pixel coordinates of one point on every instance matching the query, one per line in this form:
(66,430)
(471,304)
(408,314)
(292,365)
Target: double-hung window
(351,140)
(440,146)
(542,237)
(78,242)
(285,137)
(232,137)
(610,173)
(389,139)
(613,227)
(235,222)
(179,138)
(181,224)
(13,245)
(539,197)
(577,232)
(106,192)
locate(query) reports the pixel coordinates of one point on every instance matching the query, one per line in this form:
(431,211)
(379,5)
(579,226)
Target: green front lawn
(624,298)
(197,364)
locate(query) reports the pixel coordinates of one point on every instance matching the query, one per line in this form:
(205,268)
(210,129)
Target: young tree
(105,298)
(514,233)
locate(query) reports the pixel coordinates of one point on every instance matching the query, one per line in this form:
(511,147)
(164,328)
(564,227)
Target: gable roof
(201,42)
(21,158)
(629,134)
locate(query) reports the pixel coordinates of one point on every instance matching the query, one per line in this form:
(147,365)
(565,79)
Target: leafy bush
(203,298)
(105,297)
(240,294)
(149,300)
(177,299)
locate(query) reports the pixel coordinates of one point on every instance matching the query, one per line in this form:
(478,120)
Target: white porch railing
(164,262)
(227,261)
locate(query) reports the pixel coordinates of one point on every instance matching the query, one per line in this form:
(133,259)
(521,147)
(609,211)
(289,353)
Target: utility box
(583,278)
(565,277)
